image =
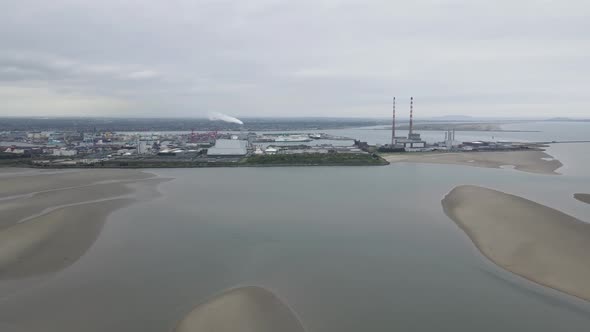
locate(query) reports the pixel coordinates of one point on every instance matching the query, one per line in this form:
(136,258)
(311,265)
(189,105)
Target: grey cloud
(54,68)
(142,74)
(289,58)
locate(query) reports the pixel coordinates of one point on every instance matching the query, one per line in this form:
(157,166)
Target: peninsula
(531,161)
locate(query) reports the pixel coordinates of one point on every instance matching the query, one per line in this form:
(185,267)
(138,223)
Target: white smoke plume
(213,116)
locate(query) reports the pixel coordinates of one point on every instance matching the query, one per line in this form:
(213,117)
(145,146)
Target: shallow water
(348,248)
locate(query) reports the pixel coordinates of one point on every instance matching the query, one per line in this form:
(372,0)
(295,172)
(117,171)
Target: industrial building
(414,140)
(411,143)
(145,146)
(228,148)
(450,141)
(63,152)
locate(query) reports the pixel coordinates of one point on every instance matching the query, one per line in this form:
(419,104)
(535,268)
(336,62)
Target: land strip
(532,161)
(529,239)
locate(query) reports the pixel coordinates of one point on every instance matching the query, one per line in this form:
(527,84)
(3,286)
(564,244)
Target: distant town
(99,147)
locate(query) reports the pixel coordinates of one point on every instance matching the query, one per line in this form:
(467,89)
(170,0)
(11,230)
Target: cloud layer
(294,58)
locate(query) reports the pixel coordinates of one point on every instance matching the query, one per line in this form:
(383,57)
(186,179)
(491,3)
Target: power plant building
(413,141)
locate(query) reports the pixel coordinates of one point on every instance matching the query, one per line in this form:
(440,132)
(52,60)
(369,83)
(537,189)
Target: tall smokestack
(411,115)
(393,124)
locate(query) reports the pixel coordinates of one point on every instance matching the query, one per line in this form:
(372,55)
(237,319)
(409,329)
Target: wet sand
(18,209)
(527,161)
(245,309)
(529,239)
(583,198)
(50,219)
(40,181)
(54,240)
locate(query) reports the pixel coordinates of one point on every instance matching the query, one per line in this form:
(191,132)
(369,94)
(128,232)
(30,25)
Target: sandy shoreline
(527,161)
(529,239)
(244,309)
(49,220)
(583,198)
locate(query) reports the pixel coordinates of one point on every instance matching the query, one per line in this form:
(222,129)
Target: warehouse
(228,148)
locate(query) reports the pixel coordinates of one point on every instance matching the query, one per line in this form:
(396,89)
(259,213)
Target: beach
(583,198)
(244,309)
(50,219)
(531,161)
(534,241)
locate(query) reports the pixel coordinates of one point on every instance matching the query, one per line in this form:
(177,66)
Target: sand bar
(529,239)
(54,240)
(19,185)
(48,220)
(245,309)
(13,211)
(583,198)
(531,161)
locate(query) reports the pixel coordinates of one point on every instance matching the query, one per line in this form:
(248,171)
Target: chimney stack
(393,125)
(411,115)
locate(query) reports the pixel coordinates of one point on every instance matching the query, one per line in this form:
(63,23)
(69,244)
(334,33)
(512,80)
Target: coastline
(51,220)
(531,161)
(304,159)
(531,240)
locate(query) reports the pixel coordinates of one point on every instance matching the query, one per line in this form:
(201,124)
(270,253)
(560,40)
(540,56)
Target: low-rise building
(270,150)
(228,148)
(408,143)
(64,152)
(15,150)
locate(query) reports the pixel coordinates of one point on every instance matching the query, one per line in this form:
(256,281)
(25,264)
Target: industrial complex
(177,148)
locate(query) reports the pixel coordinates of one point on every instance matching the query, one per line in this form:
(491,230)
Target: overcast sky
(294,58)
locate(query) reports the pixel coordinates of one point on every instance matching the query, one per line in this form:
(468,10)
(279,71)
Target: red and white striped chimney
(411,115)
(393,124)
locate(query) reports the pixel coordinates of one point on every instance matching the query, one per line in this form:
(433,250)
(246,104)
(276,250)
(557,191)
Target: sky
(284,58)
